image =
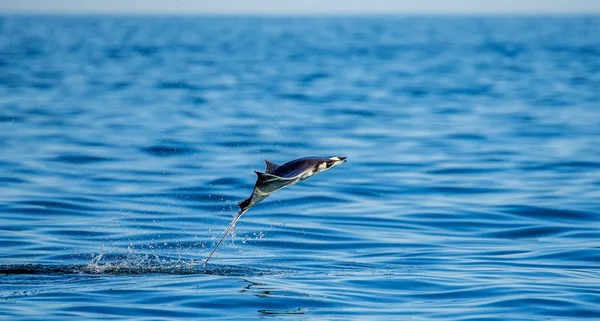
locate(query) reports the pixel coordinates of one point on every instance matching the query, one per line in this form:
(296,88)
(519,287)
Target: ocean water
(471,191)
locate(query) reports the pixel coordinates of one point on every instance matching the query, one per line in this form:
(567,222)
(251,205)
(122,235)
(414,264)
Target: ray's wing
(270,166)
(265,185)
(269,183)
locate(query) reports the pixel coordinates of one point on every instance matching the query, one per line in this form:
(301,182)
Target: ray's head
(331,162)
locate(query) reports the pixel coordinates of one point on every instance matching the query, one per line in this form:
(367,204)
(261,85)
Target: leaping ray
(277,177)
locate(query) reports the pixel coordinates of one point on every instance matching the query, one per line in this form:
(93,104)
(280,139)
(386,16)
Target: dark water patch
(547,306)
(227,181)
(119,85)
(159,227)
(216,207)
(194,48)
(198,100)
(275,146)
(83,199)
(14,180)
(137,173)
(316,199)
(82,159)
(326,236)
(198,197)
(368,190)
(100,311)
(302,97)
(165,151)
(383,166)
(363,113)
(359,221)
(346,244)
(11,81)
(573,165)
(58,205)
(240,143)
(178,84)
(27,213)
(509,50)
(88,143)
(146,50)
(527,232)
(505,253)
(461,171)
(467,136)
(15,243)
(191,189)
(463,222)
(284,312)
(479,292)
(83,233)
(116,54)
(465,190)
(590,255)
(550,214)
(476,90)
(584,235)
(267,150)
(310,78)
(5,118)
(292,144)
(415,91)
(592,50)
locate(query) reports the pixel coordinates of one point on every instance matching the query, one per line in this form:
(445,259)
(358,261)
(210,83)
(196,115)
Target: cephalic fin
(270,166)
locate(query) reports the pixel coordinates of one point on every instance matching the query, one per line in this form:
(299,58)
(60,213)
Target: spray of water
(227,231)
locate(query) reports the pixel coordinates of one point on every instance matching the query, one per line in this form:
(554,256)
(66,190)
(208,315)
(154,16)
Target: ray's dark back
(297,166)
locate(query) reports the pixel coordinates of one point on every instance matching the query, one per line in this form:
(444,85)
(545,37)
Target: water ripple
(471,190)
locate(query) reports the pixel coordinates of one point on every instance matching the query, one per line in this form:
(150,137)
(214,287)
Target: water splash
(132,264)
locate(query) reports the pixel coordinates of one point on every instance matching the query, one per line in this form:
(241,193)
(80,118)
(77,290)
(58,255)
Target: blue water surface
(471,192)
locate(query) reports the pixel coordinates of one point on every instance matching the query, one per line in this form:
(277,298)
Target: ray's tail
(227,231)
